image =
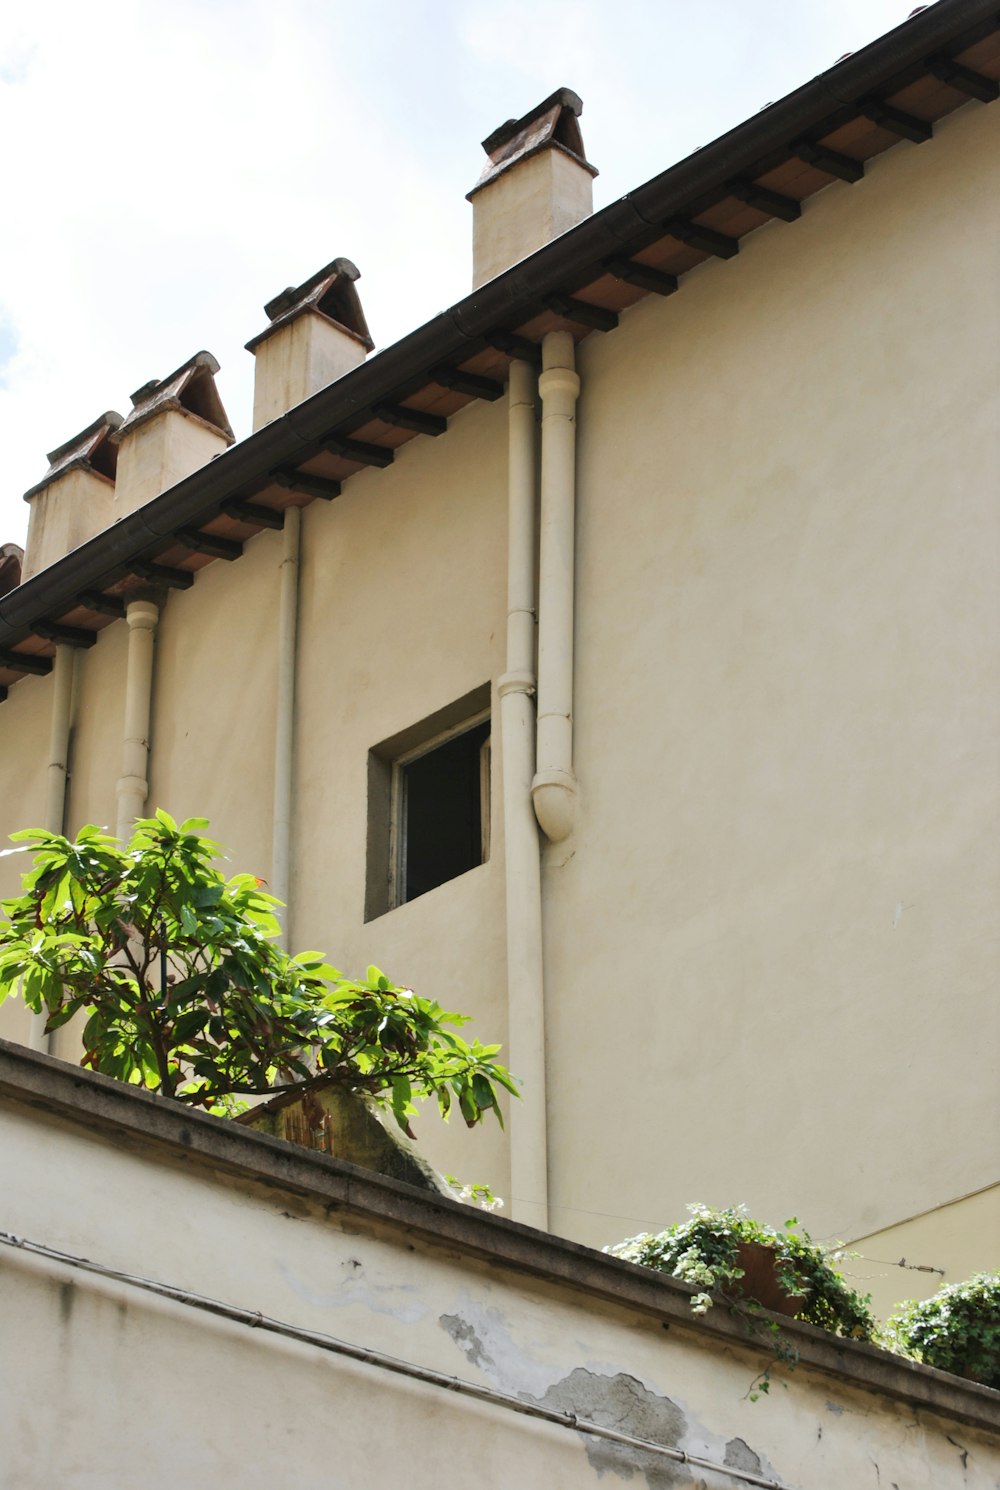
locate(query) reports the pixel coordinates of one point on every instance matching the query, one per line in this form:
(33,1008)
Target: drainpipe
(284,740)
(525,985)
(554,787)
(133,787)
(55,787)
(56,774)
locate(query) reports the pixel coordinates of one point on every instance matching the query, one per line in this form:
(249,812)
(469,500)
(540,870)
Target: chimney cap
(330,293)
(90,450)
(190,389)
(11,564)
(551,124)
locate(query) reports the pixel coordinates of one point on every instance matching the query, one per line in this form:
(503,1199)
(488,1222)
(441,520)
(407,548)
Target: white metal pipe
(56,774)
(525,980)
(284,739)
(58,762)
(554,786)
(142,617)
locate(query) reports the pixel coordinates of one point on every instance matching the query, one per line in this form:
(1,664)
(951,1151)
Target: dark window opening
(429,803)
(442,807)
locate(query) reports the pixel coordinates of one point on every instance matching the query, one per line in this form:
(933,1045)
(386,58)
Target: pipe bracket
(516,682)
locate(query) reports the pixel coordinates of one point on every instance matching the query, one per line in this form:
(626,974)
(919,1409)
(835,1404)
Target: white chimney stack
(317,334)
(176,426)
(537,184)
(75,498)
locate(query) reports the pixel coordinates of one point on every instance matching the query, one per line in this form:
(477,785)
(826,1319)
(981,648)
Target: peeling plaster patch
(623,1403)
(467,1341)
(835,1407)
(739,1455)
(484,1338)
(391,1299)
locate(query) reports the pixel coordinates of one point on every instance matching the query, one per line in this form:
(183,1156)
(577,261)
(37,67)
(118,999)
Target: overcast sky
(168,168)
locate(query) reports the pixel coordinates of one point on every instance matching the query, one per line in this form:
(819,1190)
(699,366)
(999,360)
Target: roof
(644,243)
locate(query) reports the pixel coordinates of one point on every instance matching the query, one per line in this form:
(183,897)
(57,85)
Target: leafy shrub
(187,992)
(957,1329)
(704,1251)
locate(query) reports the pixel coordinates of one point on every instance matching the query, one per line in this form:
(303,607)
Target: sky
(169,168)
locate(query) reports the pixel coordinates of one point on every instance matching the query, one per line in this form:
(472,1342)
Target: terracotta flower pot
(760,1279)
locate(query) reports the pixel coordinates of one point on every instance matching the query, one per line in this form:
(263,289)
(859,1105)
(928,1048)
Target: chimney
(75,498)
(177,425)
(536,184)
(11,565)
(317,333)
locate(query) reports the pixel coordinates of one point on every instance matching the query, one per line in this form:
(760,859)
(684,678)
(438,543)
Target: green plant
(187,992)
(957,1329)
(469,1192)
(705,1251)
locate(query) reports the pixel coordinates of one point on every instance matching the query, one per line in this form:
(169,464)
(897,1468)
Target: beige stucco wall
(771,942)
(924,1253)
(402,613)
(214,701)
(786,724)
(145,1381)
(22,795)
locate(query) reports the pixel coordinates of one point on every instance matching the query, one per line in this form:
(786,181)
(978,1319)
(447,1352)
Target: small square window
(429,804)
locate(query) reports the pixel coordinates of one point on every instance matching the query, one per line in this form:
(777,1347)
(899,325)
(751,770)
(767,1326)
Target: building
(721,866)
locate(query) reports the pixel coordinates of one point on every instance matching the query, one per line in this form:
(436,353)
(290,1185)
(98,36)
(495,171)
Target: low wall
(186,1301)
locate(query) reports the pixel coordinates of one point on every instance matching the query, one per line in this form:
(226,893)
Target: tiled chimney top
(552,124)
(91,450)
(190,390)
(11,562)
(329,292)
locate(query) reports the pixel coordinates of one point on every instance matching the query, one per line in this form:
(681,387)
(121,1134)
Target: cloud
(174,167)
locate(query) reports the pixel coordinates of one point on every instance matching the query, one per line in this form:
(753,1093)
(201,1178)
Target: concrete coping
(143,1120)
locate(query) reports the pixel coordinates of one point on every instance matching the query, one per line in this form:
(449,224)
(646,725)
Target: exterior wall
(239,1404)
(402,613)
(770,942)
(906,1261)
(786,711)
(214,704)
(97,730)
(22,793)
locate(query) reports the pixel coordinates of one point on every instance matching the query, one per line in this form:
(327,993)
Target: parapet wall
(202,1300)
